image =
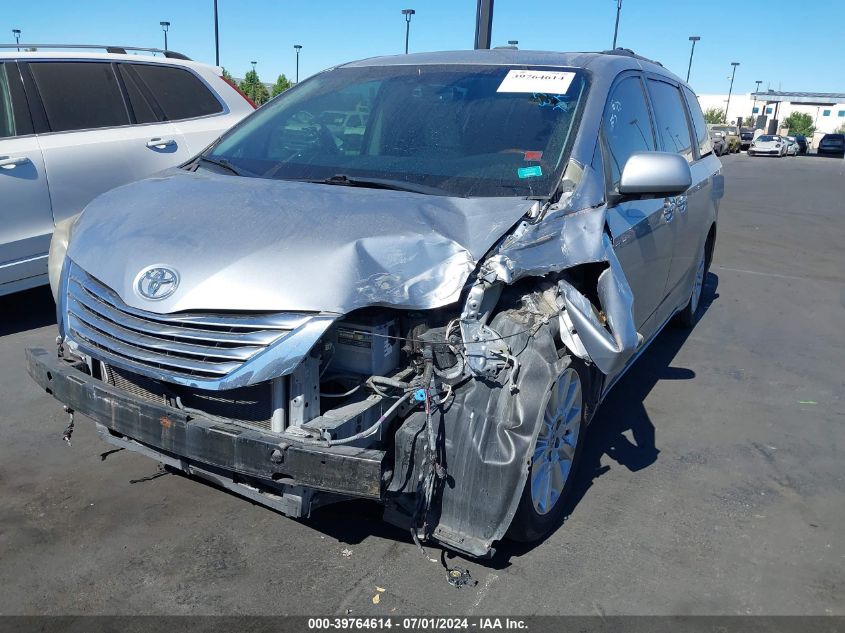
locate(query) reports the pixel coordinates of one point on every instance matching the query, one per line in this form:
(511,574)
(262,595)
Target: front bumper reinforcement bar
(228,446)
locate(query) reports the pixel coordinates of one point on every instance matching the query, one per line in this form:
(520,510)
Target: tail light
(240,92)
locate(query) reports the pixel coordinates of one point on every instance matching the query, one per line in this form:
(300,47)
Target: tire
(688,317)
(555,458)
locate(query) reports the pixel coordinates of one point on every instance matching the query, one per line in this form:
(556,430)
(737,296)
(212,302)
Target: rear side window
(626,125)
(138,101)
(79,95)
(179,92)
(705,145)
(671,118)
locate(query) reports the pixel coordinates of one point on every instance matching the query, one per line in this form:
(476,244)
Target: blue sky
(807,57)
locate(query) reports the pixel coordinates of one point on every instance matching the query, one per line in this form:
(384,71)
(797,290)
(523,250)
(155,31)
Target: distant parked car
(803,145)
(720,143)
(731,134)
(791,146)
(768,145)
(832,145)
(74,125)
(746,135)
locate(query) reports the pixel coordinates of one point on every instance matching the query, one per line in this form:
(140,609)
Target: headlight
(58,248)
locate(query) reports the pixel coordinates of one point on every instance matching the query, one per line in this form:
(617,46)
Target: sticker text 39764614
(549,81)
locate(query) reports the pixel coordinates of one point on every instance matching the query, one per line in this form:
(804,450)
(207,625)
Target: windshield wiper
(225,164)
(380,183)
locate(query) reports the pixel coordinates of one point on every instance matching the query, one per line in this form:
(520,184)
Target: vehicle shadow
(27,310)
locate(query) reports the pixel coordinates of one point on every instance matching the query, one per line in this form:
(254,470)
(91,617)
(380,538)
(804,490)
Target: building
(826,109)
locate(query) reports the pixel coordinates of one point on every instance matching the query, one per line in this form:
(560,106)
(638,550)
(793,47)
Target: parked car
(768,145)
(791,146)
(832,145)
(429,321)
(746,135)
(731,134)
(720,143)
(74,125)
(803,145)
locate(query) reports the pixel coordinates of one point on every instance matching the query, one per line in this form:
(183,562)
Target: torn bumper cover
(343,470)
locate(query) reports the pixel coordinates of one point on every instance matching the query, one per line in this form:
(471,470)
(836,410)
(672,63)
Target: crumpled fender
(608,347)
(489,434)
(570,235)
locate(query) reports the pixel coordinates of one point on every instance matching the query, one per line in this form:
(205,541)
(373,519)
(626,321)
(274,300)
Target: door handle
(681,204)
(160,143)
(11,163)
(668,209)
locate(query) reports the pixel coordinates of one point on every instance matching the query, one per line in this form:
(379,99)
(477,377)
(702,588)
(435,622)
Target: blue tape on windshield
(529,172)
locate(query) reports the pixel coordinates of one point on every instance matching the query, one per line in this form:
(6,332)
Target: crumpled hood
(253,244)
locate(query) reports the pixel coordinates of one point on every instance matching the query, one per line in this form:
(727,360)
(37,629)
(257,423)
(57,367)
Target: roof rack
(627,52)
(118,50)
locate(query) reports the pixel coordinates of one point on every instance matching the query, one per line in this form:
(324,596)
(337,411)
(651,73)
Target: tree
(799,123)
(839,130)
(228,76)
(748,121)
(281,85)
(714,115)
(252,87)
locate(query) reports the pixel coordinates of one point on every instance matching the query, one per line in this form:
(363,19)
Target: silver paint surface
(254,244)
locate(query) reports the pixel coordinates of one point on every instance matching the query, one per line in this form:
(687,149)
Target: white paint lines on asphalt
(483,591)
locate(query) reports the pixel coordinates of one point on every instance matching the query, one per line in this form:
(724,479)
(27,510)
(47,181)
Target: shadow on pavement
(27,310)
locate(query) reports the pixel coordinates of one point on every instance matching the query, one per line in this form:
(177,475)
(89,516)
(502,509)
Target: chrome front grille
(205,346)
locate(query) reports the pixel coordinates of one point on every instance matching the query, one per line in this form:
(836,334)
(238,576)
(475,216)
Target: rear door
(642,235)
(91,142)
(26,220)
(185,100)
(691,208)
(153,143)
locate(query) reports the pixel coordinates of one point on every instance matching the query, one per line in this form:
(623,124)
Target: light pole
(407,13)
(216,37)
(253,65)
(513,42)
(616,28)
(17,34)
(298,48)
(164,27)
(693,39)
(753,107)
(730,90)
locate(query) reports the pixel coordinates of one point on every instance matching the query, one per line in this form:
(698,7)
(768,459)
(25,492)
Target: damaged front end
(434,412)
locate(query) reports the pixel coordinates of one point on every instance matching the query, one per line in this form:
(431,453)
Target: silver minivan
(427,315)
(76,124)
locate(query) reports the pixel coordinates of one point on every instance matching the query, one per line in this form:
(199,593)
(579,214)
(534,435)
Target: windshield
(765,138)
(454,130)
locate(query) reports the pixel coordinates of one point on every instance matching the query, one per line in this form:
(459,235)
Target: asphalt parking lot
(713,481)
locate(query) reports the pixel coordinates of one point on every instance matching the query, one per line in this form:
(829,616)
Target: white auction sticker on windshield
(547,81)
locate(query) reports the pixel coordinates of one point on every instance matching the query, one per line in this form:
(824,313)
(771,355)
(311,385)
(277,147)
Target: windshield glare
(767,139)
(458,130)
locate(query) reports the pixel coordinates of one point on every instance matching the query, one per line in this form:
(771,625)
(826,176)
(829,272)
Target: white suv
(76,124)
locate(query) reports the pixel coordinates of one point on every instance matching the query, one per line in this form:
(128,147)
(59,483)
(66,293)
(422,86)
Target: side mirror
(655,174)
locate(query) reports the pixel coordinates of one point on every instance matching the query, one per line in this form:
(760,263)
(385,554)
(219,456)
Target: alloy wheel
(556,442)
